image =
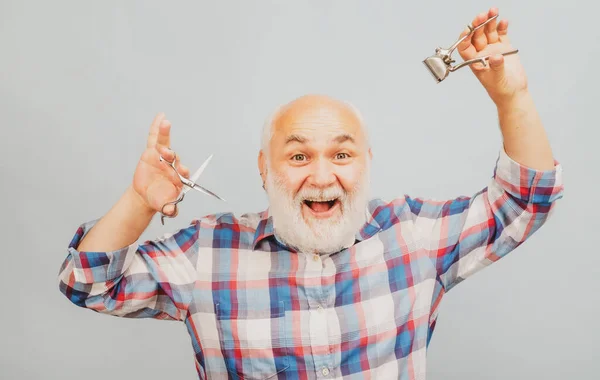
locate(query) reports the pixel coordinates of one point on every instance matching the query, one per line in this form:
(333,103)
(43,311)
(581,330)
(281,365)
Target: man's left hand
(504,76)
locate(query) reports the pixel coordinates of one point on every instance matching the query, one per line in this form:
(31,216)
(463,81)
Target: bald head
(311,112)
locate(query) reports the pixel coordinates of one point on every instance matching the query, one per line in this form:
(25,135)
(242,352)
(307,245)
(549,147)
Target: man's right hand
(154,181)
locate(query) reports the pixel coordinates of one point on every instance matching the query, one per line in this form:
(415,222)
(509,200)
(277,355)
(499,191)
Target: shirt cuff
(95,267)
(528,184)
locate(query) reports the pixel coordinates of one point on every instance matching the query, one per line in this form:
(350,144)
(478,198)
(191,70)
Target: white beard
(322,236)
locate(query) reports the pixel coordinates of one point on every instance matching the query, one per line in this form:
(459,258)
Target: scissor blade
(197,174)
(206,191)
(203,166)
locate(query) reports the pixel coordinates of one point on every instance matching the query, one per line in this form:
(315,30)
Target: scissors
(439,65)
(188,184)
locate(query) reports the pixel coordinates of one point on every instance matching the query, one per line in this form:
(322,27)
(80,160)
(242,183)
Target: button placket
(318,314)
(314,264)
(317,318)
(327,308)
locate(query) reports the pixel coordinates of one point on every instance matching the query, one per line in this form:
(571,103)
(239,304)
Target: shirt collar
(265,229)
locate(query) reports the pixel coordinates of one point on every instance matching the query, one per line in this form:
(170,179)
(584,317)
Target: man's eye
(341,156)
(298,157)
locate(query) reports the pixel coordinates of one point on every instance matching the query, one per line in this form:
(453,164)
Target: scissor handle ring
(170,163)
(174,203)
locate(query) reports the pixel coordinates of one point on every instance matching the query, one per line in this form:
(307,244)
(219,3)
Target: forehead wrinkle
(310,127)
(338,137)
(321,123)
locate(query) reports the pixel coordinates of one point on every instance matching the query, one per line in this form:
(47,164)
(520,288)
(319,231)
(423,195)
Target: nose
(322,175)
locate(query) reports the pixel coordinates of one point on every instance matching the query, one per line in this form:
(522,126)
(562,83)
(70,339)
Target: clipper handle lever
(440,64)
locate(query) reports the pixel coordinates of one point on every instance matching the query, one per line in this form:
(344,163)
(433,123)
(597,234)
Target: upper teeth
(321,200)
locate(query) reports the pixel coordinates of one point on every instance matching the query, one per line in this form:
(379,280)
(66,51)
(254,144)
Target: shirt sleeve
(154,279)
(466,234)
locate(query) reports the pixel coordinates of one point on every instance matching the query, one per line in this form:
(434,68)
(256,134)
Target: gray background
(81,82)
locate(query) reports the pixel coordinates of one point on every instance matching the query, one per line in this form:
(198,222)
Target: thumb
(496,62)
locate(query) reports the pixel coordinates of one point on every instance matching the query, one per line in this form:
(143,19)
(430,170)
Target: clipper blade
(437,67)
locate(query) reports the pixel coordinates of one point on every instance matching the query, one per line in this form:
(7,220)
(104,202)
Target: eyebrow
(295,138)
(343,138)
(301,139)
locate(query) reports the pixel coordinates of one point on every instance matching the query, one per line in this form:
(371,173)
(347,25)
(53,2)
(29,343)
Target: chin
(311,233)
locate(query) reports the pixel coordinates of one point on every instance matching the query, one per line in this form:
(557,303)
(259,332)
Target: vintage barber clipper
(439,65)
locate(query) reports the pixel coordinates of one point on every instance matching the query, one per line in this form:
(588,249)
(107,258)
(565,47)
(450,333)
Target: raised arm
(106,270)
(465,234)
(153,185)
(505,81)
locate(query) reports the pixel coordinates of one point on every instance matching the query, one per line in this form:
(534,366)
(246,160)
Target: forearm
(121,226)
(525,139)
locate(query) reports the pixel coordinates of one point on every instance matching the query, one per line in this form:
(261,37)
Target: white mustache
(322,195)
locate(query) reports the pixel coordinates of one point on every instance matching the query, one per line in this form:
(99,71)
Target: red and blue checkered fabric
(255,309)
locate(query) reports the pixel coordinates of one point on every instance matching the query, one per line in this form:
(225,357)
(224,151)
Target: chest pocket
(254,338)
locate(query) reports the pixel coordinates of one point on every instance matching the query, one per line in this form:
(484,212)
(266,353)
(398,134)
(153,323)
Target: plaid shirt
(255,309)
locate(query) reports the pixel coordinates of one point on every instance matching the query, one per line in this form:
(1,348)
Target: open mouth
(322,208)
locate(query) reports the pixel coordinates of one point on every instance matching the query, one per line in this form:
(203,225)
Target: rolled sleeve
(153,279)
(466,234)
(527,184)
(96,267)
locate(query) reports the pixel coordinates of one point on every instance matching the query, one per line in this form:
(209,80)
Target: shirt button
(325,371)
(320,308)
(315,257)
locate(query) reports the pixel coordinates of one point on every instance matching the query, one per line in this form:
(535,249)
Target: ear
(262,166)
(370,154)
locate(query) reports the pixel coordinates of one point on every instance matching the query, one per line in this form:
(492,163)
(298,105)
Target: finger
(184,171)
(153,134)
(166,153)
(465,48)
(164,133)
(497,65)
(170,209)
(479,67)
(169,156)
(496,60)
(491,34)
(503,28)
(159,194)
(479,39)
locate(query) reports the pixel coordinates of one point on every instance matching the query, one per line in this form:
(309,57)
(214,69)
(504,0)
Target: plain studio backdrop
(81,82)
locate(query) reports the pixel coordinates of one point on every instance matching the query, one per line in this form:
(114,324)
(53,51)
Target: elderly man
(327,283)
